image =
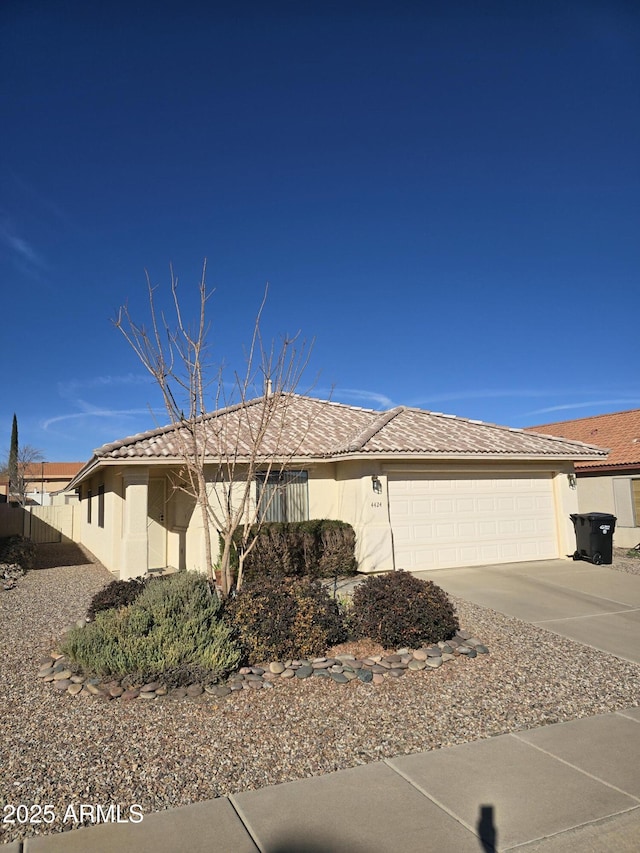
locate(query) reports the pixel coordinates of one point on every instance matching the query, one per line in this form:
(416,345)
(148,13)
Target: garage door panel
(494,520)
(485,505)
(510,554)
(443,506)
(464,505)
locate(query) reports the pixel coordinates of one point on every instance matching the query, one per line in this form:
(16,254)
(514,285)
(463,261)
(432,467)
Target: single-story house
(423,490)
(611,484)
(43,479)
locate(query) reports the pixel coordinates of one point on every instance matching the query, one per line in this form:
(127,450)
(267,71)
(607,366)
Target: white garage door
(439,522)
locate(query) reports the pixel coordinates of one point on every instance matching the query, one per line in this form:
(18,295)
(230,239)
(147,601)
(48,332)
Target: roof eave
(98,462)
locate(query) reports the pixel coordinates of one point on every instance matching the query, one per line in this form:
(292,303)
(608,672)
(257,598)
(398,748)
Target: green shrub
(17,550)
(398,609)
(115,594)
(174,631)
(280,618)
(319,548)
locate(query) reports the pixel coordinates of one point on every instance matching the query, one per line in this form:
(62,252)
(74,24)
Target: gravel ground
(622,562)
(60,750)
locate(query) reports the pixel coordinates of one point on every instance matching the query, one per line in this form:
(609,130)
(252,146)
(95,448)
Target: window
(626,501)
(282,496)
(100,506)
(89,495)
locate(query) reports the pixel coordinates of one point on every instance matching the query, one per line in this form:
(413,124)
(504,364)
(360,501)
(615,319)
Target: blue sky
(444,195)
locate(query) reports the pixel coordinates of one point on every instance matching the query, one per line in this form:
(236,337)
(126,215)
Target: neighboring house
(422,490)
(611,484)
(44,479)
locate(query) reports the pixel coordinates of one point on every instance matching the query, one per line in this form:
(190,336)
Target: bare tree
(223,434)
(27,457)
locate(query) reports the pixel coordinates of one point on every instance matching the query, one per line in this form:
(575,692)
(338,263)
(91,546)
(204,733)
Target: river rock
(304,671)
(131,693)
(62,675)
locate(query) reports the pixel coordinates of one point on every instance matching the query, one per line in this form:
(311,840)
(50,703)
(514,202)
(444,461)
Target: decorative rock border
(10,573)
(342,669)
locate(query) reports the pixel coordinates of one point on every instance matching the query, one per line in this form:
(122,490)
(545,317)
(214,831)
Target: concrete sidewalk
(568,787)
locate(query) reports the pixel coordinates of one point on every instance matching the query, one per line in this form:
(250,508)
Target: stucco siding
(611,494)
(104,542)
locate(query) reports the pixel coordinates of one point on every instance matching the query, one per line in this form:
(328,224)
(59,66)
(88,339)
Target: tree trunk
(202,500)
(225,564)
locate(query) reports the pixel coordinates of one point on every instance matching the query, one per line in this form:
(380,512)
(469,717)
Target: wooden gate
(42,524)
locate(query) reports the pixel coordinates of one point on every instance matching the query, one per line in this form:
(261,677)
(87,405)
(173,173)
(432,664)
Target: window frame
(284,505)
(101,505)
(635,499)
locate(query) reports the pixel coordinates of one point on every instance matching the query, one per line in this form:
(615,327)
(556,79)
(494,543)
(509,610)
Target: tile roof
(52,469)
(619,431)
(321,429)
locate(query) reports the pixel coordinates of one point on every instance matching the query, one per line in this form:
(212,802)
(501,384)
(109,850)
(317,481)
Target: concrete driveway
(591,604)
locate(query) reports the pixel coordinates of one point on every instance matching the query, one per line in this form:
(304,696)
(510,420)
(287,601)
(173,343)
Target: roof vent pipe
(268,388)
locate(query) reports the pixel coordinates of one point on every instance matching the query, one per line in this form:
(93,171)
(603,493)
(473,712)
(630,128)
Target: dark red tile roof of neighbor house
(324,430)
(58,470)
(619,431)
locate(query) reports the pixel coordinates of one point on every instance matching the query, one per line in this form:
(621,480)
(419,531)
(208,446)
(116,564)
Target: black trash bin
(594,536)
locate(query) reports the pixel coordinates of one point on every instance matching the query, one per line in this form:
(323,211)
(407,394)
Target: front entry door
(156,525)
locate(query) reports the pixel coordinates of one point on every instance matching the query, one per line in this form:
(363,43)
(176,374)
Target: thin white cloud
(73,386)
(365,396)
(20,247)
(565,407)
(96,412)
(484,394)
